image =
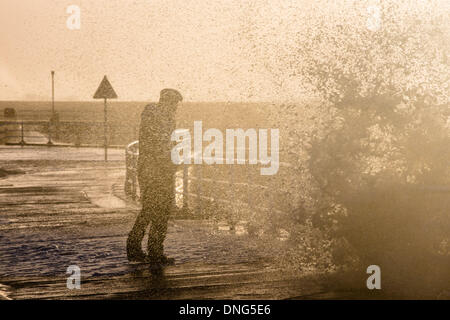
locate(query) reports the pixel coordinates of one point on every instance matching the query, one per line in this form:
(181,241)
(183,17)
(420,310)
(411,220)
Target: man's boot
(134,252)
(162,260)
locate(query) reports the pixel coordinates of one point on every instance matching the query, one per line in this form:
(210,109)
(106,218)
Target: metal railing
(25,132)
(64,133)
(200,188)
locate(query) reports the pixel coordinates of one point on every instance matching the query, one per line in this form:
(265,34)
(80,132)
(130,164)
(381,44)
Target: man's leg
(159,220)
(134,241)
(157,234)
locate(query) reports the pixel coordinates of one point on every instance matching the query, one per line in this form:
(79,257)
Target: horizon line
(148,101)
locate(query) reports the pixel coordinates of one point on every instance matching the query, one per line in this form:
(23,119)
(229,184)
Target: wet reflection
(150,279)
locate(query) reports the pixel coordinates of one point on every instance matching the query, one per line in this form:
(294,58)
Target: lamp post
(53,93)
(52,118)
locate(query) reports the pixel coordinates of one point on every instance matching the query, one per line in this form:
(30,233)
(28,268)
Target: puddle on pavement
(108,201)
(4,292)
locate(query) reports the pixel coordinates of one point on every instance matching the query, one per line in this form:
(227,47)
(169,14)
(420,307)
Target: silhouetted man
(156,178)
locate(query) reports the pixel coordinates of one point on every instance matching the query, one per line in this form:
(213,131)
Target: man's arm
(146,129)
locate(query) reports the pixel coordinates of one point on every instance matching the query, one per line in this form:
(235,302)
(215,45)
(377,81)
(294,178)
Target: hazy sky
(143,46)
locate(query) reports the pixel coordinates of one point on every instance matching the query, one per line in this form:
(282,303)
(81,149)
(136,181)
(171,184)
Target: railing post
(271,195)
(199,189)
(3,134)
(78,137)
(249,181)
(57,130)
(6,135)
(185,187)
(232,191)
(22,140)
(133,185)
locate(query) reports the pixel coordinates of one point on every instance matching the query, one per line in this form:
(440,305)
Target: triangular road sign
(105,90)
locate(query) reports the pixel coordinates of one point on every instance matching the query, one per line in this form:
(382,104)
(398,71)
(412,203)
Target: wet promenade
(62,206)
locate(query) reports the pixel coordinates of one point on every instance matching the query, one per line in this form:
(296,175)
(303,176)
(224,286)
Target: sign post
(105,91)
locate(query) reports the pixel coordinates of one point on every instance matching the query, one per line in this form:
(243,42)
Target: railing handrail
(63,133)
(135,145)
(132,154)
(132,151)
(115,123)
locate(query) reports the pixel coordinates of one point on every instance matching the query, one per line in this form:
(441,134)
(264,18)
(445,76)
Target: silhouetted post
(134,186)
(249,181)
(199,189)
(52,118)
(271,194)
(78,134)
(185,187)
(22,140)
(53,94)
(232,193)
(49,133)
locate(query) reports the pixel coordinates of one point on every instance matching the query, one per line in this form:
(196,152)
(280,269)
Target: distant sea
(124,118)
(213,114)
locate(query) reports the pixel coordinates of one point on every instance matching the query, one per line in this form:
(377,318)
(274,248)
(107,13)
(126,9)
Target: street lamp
(52,118)
(53,93)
